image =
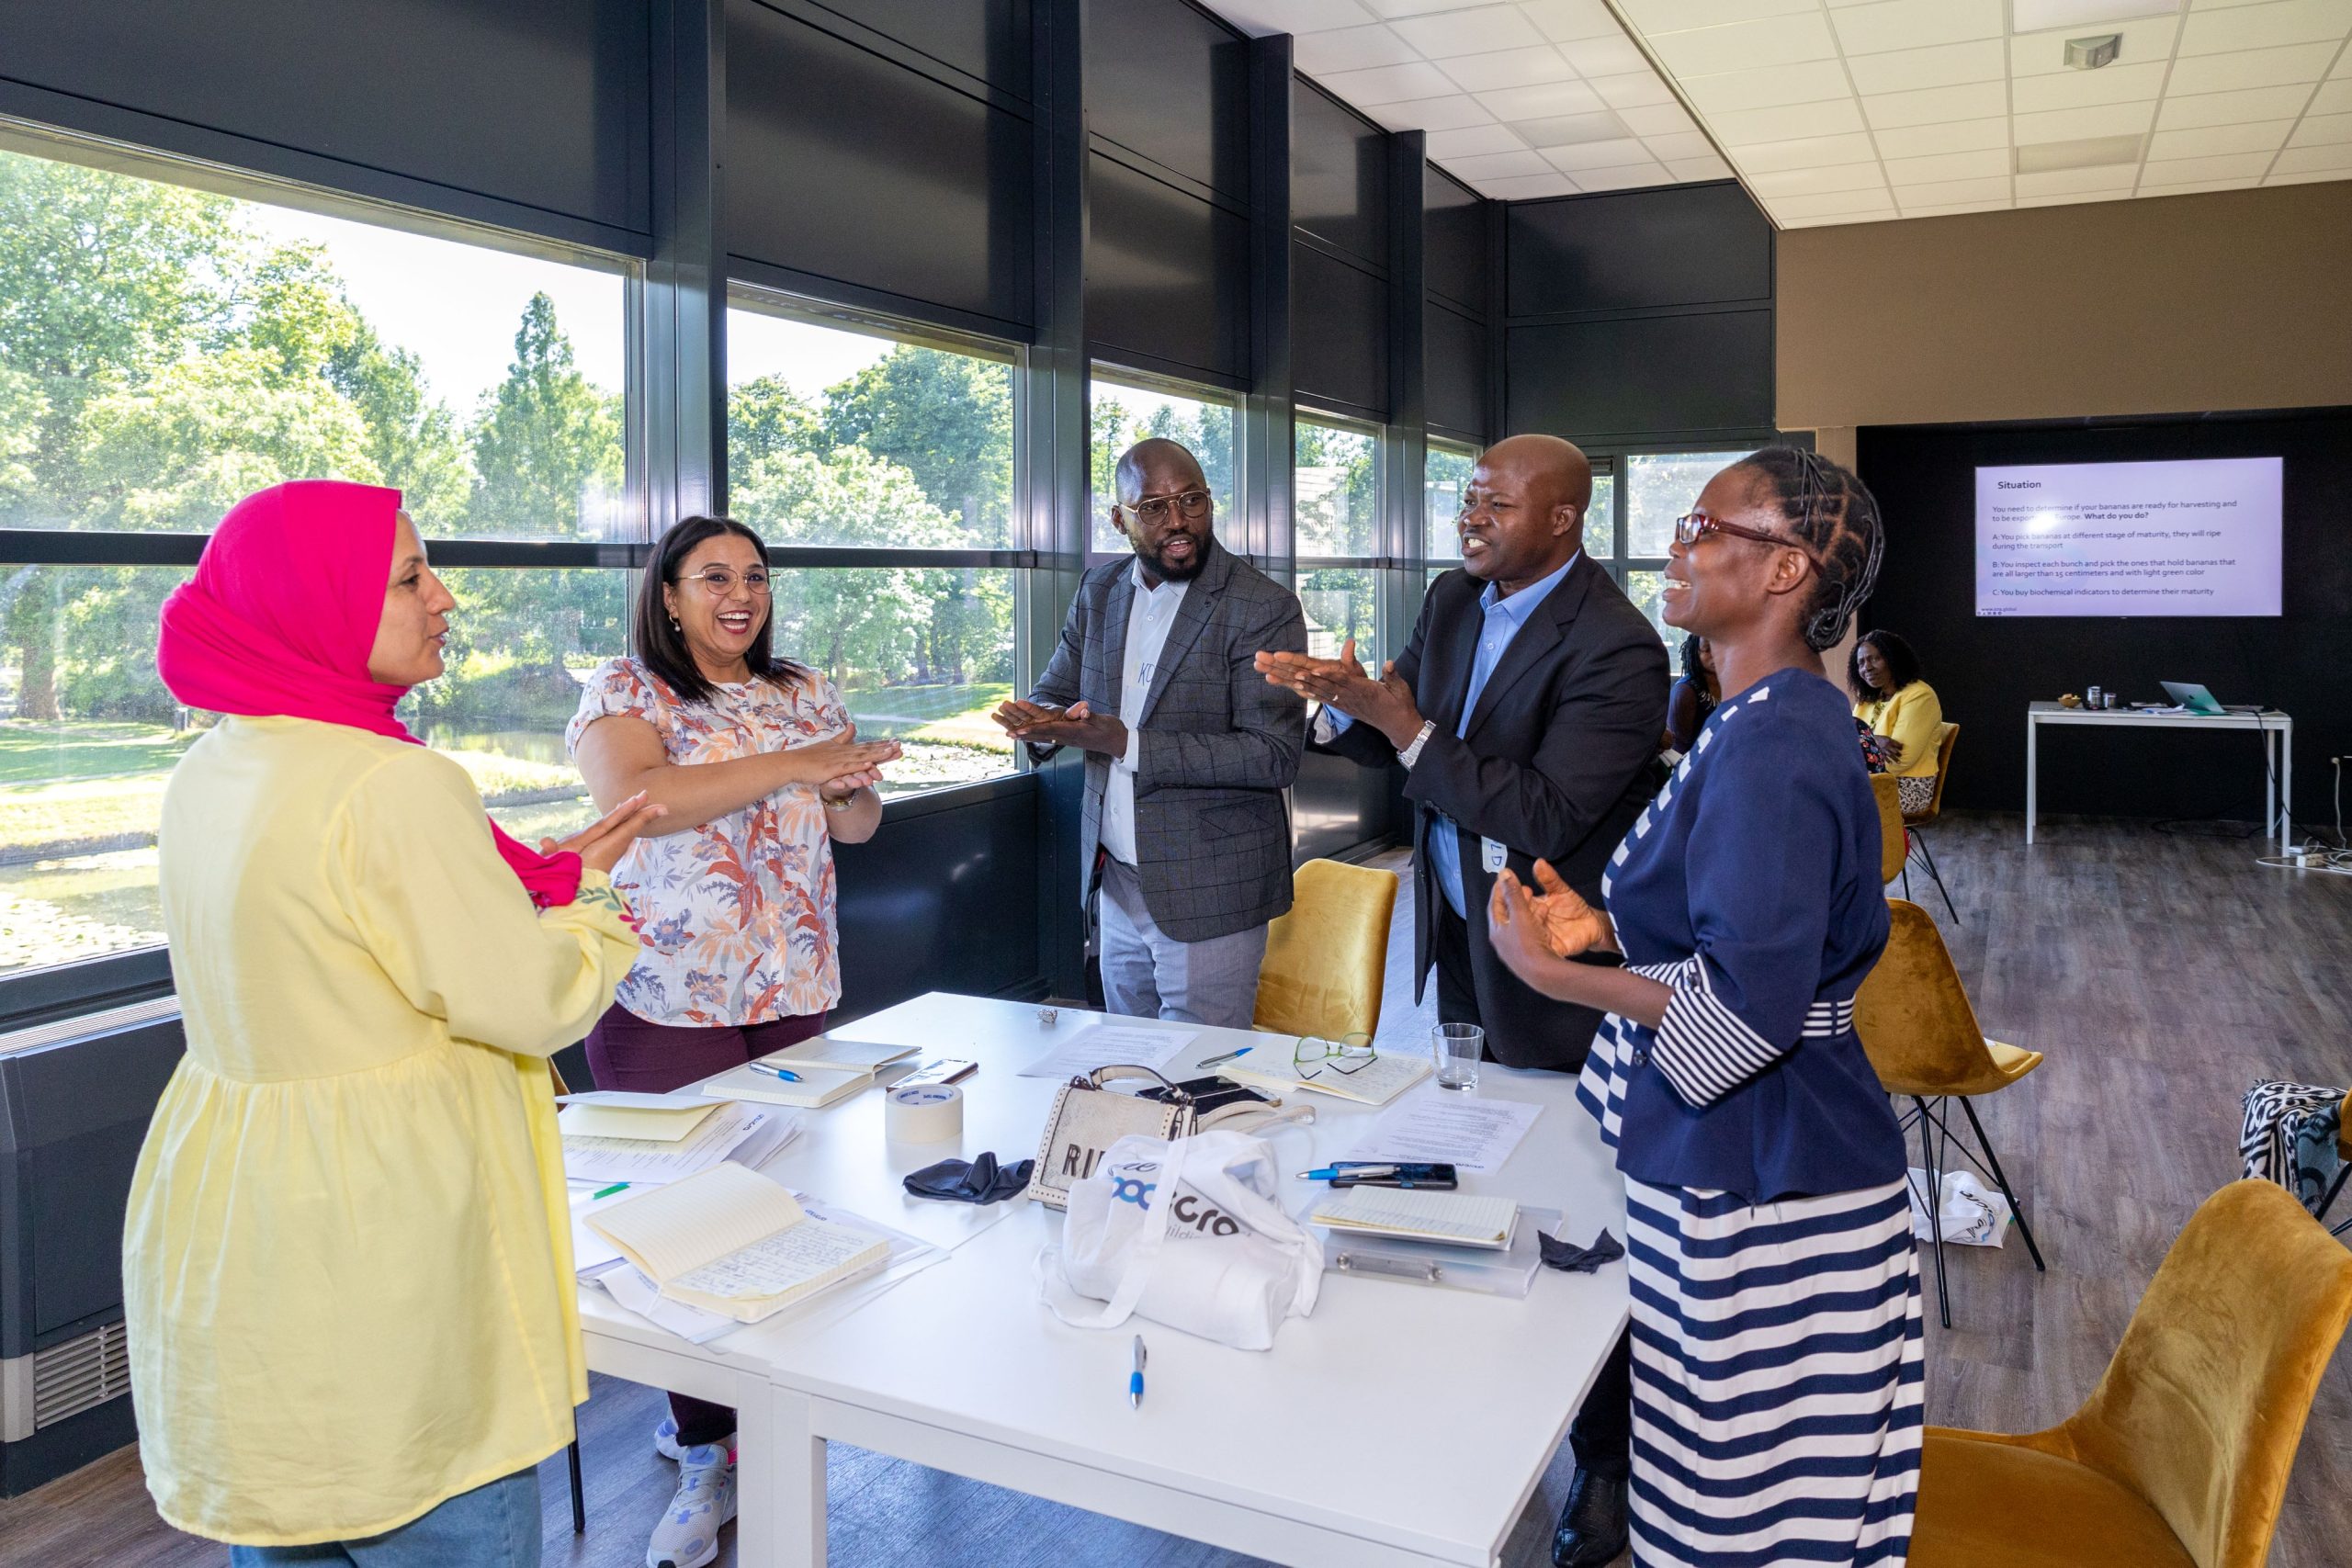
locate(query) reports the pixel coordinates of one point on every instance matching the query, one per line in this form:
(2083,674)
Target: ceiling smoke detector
(2090,53)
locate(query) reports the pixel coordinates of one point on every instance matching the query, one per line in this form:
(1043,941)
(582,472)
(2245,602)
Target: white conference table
(1398,1425)
(2277,752)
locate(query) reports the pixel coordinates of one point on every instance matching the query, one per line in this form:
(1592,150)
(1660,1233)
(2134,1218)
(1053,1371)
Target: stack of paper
(620,1113)
(1420,1214)
(748,1134)
(1377,1082)
(830,1068)
(731,1241)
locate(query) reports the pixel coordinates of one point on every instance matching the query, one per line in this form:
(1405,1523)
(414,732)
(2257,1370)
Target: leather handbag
(1089,1116)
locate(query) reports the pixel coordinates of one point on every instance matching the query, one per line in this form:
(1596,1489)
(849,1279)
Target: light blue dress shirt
(1504,617)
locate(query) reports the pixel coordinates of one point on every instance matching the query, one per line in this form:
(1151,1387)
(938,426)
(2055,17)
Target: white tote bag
(1185,1232)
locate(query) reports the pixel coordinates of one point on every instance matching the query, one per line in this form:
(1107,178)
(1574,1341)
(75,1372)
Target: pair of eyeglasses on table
(1350,1055)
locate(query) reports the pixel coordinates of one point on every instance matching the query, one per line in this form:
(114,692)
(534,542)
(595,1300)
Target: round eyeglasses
(718,582)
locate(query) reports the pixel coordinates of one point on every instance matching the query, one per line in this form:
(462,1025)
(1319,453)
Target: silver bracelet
(841,804)
(1413,753)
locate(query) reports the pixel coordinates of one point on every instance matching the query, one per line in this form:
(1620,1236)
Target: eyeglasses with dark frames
(1692,527)
(1192,505)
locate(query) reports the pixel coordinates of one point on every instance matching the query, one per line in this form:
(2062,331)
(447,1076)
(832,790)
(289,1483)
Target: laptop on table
(2189,698)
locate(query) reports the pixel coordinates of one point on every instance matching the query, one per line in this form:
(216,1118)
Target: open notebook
(1377,1082)
(867,1057)
(830,1069)
(1418,1214)
(733,1242)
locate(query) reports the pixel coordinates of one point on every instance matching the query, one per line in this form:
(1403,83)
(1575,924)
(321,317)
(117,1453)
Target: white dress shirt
(1150,617)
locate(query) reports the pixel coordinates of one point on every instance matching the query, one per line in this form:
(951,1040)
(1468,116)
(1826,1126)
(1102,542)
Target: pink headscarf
(281,617)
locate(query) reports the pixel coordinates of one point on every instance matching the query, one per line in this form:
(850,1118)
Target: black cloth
(980,1180)
(1561,755)
(1568,1255)
(1603,1434)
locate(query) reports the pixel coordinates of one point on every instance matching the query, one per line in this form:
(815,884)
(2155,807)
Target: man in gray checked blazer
(1186,834)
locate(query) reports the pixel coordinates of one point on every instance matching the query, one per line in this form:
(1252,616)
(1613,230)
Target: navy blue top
(1751,885)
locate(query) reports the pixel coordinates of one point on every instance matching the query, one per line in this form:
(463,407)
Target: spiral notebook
(731,1241)
(1453,1219)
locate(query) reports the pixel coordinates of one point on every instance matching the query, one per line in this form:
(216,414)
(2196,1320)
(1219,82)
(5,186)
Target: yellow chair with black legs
(1891,845)
(2179,1458)
(1923,1040)
(1326,960)
(1918,821)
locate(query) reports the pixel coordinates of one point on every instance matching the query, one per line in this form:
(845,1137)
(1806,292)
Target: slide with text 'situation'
(2198,537)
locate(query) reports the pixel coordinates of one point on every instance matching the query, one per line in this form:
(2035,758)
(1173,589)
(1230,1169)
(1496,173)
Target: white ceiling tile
(1957,136)
(2260,27)
(2333,98)
(1980,163)
(1658,120)
(1954,210)
(1451,112)
(2183,170)
(2342,66)
(2232,108)
(2071,198)
(1682,144)
(1349,49)
(2307,160)
(1831,118)
(1604,56)
(1473,140)
(1915,24)
(1815,182)
(1489,164)
(2223,4)
(2198,186)
(2323,130)
(2110,177)
(1293,15)
(2252,68)
(1746,46)
(1389,83)
(1633,177)
(2067,125)
(1508,68)
(1560,130)
(2081,89)
(1632,90)
(2304,177)
(1677,16)
(1561,21)
(1541,102)
(1810,152)
(2207,141)
(1708,168)
(2041,55)
(1945,65)
(1807,83)
(1945,193)
(1527,187)
(1838,204)
(2079,15)
(1596,154)
(1934,105)
(1422,7)
(1481,32)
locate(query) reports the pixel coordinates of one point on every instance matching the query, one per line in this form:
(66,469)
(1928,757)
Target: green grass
(957,715)
(45,753)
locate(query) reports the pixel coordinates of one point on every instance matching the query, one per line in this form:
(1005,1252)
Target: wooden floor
(2160,974)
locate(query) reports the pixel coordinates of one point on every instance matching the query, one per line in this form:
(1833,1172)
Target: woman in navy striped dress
(1776,1328)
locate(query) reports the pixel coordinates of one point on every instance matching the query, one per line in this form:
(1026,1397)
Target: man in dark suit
(1185,831)
(1526,709)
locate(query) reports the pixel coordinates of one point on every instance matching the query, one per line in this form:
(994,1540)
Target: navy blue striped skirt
(1777,1378)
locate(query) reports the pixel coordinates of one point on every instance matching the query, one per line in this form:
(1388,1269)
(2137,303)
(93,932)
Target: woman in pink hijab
(348,1256)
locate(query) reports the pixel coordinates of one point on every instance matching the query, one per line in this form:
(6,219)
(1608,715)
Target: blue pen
(1135,1379)
(1220,1061)
(1356,1172)
(787,1073)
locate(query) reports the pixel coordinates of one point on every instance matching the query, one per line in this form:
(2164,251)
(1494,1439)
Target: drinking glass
(1457,1047)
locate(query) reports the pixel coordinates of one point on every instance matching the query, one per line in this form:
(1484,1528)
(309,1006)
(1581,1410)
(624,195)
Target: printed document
(1473,1135)
(1109,1044)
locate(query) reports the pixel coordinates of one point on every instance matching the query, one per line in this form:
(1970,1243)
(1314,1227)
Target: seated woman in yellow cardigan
(347,1256)
(1901,709)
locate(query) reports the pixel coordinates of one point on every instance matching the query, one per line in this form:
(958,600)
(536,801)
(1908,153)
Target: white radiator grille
(80,1374)
(84,1025)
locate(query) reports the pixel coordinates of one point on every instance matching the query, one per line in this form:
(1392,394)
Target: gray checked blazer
(1219,744)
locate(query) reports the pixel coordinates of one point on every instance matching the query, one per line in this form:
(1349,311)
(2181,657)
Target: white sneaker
(665,1439)
(688,1535)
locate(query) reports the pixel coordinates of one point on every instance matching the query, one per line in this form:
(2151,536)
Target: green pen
(616,1186)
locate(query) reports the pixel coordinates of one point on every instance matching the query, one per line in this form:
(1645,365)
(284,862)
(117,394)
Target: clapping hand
(1387,703)
(1567,925)
(1078,725)
(601,844)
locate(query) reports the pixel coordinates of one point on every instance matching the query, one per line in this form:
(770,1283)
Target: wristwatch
(1413,753)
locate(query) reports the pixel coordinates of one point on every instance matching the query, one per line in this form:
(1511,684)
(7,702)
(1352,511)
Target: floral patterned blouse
(739,912)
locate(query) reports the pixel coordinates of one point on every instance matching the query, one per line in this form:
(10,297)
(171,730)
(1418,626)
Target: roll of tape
(928,1113)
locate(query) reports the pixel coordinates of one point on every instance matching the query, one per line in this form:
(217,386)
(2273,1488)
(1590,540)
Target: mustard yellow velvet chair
(1325,958)
(1890,827)
(2179,1456)
(2342,1153)
(1923,1039)
(1945,735)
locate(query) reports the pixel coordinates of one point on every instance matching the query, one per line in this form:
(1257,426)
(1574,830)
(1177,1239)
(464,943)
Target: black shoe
(1592,1524)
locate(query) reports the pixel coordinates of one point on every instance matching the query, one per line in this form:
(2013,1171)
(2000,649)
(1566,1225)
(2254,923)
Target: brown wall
(2228,299)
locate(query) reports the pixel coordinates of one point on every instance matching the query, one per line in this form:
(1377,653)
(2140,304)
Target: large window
(842,435)
(1123,409)
(165,351)
(1632,539)
(1445,474)
(1334,479)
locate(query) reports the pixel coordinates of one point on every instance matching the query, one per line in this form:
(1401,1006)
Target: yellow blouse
(1914,716)
(348,1259)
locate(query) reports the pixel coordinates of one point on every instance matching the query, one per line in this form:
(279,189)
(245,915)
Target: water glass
(1457,1047)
